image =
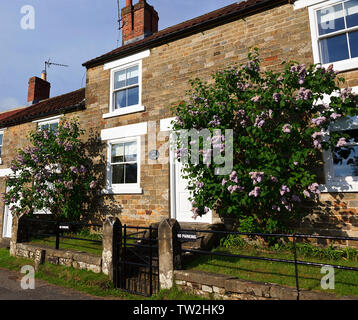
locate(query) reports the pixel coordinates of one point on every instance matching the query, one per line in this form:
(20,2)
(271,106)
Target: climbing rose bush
(279,125)
(51,174)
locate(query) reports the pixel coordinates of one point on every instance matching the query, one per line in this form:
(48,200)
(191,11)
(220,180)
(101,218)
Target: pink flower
(287,128)
(342,142)
(314,188)
(284,189)
(318,121)
(93,184)
(255,192)
(233,177)
(276,97)
(307,194)
(317,144)
(257,177)
(256,99)
(335,116)
(318,135)
(200,185)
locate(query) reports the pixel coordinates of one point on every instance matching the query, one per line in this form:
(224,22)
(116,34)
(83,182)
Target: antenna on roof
(119,21)
(119,16)
(48,63)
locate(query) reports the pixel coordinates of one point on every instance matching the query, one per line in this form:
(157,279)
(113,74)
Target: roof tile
(46,107)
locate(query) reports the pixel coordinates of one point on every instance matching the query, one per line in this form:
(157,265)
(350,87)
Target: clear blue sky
(69,32)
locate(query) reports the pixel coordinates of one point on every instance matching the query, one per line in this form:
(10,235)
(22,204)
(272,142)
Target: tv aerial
(48,64)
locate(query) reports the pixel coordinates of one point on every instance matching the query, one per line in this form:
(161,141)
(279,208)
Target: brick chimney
(139,21)
(39,89)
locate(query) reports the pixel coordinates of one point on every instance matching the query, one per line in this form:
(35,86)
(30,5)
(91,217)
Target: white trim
(133,188)
(343,65)
(5,172)
(48,119)
(307,3)
(172,180)
(166,125)
(131,130)
(126,60)
(130,109)
(123,111)
(122,190)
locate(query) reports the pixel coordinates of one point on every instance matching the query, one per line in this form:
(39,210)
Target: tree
(279,125)
(52,174)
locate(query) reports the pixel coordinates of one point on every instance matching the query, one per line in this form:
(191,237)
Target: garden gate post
(112,238)
(169,251)
(18,234)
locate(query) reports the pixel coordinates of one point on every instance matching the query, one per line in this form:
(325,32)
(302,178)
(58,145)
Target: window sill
(344,65)
(341,186)
(123,111)
(122,190)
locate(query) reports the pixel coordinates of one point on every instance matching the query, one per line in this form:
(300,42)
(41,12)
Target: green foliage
(278,122)
(52,174)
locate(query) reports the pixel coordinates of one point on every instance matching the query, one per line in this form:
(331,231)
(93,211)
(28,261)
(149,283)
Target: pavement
(10,289)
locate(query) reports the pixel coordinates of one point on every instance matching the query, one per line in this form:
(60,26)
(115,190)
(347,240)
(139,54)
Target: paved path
(10,289)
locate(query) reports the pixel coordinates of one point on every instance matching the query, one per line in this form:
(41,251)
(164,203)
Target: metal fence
(60,229)
(294,261)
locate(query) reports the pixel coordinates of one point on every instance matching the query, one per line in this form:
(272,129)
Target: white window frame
(332,183)
(2,131)
(48,121)
(130,109)
(344,65)
(125,188)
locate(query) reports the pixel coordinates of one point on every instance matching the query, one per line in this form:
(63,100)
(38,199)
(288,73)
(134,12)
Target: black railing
(294,237)
(138,271)
(59,229)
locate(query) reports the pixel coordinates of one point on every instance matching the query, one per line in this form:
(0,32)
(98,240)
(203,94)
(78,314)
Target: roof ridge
(183,28)
(52,98)
(64,102)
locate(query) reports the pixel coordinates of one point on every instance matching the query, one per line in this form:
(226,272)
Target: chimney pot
(39,89)
(139,21)
(44,75)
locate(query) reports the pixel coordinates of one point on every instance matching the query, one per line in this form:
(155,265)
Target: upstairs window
(126,87)
(49,125)
(126,84)
(334,27)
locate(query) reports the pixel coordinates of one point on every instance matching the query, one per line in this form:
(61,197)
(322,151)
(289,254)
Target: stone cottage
(126,102)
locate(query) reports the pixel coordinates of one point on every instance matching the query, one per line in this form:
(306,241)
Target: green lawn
(84,281)
(71,244)
(346,282)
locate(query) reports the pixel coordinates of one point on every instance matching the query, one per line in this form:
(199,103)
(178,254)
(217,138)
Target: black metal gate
(138,263)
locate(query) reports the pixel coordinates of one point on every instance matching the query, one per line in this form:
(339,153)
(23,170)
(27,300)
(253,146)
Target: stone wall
(75,259)
(218,286)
